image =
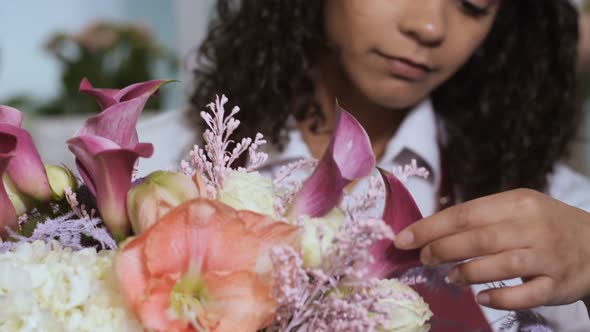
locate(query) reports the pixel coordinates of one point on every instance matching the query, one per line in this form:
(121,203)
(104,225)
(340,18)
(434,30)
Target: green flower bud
(59,179)
(22,204)
(158,194)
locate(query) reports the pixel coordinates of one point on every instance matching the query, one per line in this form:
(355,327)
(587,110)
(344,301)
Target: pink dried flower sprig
(306,297)
(212,161)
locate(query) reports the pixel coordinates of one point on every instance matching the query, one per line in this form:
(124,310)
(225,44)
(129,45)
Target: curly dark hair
(505,132)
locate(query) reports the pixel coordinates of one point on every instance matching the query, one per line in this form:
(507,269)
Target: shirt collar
(414,139)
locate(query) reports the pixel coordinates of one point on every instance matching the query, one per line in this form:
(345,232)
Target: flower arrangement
(214,246)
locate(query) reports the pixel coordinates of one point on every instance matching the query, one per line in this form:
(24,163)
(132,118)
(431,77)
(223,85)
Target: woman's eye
(476,8)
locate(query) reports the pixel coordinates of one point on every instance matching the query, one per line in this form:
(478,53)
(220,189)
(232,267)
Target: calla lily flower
(109,97)
(349,157)
(106,150)
(400,212)
(26,168)
(8,218)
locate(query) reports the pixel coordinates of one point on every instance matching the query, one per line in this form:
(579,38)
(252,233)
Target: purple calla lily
(107,148)
(8,217)
(349,157)
(108,97)
(400,211)
(26,168)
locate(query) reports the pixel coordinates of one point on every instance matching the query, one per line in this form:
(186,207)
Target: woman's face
(396,52)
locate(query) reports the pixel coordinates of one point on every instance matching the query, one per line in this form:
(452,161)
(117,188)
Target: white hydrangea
(44,287)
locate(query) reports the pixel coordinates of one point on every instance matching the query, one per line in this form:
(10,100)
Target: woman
(489,83)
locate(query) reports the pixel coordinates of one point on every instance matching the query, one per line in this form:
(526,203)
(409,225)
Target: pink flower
(110,97)
(349,157)
(26,168)
(203,267)
(8,144)
(400,212)
(107,148)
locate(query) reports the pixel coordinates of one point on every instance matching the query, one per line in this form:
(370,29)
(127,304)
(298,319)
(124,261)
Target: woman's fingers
(534,293)
(502,266)
(512,205)
(476,242)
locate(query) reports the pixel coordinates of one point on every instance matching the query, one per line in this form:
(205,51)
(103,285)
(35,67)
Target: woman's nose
(425,21)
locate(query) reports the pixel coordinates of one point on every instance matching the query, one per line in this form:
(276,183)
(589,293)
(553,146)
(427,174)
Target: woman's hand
(520,233)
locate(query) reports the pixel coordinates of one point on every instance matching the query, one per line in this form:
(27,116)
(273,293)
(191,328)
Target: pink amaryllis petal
(400,211)
(26,168)
(7,212)
(108,97)
(349,157)
(107,169)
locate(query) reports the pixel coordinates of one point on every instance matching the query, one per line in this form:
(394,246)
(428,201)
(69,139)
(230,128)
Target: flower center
(188,299)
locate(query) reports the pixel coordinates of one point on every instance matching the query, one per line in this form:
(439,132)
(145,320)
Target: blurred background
(47,47)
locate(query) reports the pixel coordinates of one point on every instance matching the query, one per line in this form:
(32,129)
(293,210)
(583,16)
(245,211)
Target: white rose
(248,191)
(408,310)
(318,234)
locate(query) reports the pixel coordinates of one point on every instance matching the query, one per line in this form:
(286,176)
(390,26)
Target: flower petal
(104,97)
(131,271)
(8,218)
(109,169)
(117,123)
(349,157)
(241,301)
(26,169)
(400,211)
(352,148)
(139,89)
(11,116)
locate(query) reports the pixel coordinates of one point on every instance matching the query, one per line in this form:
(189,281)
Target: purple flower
(8,218)
(107,148)
(400,212)
(109,97)
(26,168)
(349,157)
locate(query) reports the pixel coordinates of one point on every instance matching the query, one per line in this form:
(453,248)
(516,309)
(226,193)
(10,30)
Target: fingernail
(404,239)
(483,298)
(426,256)
(454,277)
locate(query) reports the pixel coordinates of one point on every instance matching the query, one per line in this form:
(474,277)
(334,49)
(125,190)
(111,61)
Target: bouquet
(212,246)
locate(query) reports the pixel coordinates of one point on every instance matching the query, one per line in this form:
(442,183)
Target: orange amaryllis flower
(203,267)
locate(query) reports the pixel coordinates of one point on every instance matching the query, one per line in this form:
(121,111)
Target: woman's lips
(406,69)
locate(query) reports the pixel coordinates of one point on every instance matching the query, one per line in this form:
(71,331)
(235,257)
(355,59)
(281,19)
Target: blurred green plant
(109,54)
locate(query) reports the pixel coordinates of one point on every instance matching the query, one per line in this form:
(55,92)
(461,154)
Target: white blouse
(415,139)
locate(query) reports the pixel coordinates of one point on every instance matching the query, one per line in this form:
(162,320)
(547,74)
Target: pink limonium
(400,211)
(106,150)
(8,218)
(26,168)
(349,157)
(109,97)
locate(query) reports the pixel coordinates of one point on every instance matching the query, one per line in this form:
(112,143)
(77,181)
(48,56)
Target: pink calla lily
(26,168)
(106,150)
(349,157)
(108,97)
(400,211)
(8,217)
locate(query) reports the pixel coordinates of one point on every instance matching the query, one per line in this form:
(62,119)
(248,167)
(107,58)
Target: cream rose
(408,310)
(248,191)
